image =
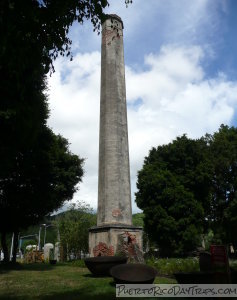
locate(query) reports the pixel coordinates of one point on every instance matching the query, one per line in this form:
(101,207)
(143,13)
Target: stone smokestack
(114,215)
(114,192)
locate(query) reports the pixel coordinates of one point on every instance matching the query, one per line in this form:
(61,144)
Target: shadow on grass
(113,284)
(85,294)
(82,293)
(94,276)
(7,267)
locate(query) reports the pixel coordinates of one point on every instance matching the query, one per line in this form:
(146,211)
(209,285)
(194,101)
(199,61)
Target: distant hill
(137,219)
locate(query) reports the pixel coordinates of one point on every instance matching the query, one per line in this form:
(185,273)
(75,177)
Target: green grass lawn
(62,281)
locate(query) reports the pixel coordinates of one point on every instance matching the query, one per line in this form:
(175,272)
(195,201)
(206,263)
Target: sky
(181,78)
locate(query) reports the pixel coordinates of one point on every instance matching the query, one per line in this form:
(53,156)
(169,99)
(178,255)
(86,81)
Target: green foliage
(233,264)
(46,176)
(41,27)
(137,219)
(223,145)
(38,172)
(209,240)
(73,227)
(187,188)
(170,195)
(169,266)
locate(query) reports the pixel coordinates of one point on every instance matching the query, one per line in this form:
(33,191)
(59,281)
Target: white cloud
(149,24)
(74,104)
(170,21)
(170,98)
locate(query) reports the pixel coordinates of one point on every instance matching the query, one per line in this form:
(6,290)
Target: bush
(169,266)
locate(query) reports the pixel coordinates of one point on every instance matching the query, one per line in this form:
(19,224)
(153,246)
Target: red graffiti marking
(129,244)
(116,212)
(103,250)
(109,36)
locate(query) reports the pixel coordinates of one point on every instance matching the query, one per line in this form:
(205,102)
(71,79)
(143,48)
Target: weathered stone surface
(114,231)
(114,193)
(116,240)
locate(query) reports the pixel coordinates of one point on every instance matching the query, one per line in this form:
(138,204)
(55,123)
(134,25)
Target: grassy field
(62,281)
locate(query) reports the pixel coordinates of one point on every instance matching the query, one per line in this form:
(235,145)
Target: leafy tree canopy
(37,171)
(73,227)
(223,148)
(46,176)
(188,187)
(41,27)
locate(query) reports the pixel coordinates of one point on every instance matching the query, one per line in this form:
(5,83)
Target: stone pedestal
(115,239)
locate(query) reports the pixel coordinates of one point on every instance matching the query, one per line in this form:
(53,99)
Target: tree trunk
(15,245)
(4,247)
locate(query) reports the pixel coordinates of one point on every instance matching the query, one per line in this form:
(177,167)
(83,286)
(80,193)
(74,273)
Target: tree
(34,33)
(45,177)
(73,227)
(194,176)
(43,26)
(223,147)
(174,192)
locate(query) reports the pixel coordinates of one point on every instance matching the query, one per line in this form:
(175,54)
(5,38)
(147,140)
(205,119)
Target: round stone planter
(101,265)
(133,273)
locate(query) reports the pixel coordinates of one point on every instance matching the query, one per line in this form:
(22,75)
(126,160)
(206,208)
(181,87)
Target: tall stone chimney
(114,230)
